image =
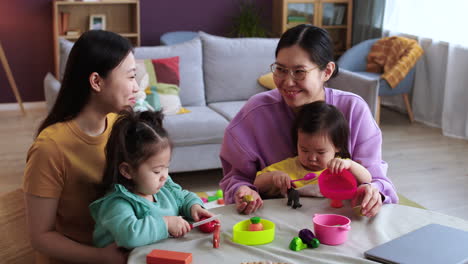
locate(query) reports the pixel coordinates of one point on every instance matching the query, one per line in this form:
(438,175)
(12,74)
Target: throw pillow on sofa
(266,81)
(192,91)
(162,90)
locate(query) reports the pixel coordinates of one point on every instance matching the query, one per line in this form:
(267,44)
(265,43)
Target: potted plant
(248,21)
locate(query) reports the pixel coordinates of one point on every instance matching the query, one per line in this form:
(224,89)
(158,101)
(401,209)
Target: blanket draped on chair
(394,57)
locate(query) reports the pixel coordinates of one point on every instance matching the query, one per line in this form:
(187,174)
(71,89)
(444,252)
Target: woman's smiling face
(296,93)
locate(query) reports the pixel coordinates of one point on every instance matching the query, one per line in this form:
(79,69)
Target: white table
(391,222)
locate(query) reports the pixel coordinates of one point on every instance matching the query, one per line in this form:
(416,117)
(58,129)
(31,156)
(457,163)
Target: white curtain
(440,93)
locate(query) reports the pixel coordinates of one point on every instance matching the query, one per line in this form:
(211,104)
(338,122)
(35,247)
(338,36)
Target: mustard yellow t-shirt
(66,164)
(295,170)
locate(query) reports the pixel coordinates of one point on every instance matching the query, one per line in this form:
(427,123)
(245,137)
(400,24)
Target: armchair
(355,60)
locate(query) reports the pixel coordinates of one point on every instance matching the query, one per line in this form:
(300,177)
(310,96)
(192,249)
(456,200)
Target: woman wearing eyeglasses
(260,134)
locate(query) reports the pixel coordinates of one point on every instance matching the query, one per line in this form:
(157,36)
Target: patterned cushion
(192,91)
(162,85)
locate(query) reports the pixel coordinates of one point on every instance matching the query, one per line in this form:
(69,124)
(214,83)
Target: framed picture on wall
(97,22)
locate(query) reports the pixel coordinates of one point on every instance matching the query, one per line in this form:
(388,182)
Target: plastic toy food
(255,224)
(208,227)
(297,244)
(212,198)
(358,210)
(309,238)
(216,235)
(247,198)
(337,186)
(314,243)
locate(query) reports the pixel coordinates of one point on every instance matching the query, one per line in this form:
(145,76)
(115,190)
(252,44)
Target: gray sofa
(217,76)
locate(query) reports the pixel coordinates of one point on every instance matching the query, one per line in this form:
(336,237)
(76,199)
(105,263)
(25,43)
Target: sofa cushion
(201,126)
(231,66)
(228,109)
(267,81)
(192,91)
(162,87)
(65,48)
(51,90)
(197,157)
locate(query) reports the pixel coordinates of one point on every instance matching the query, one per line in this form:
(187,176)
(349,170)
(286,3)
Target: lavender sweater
(260,135)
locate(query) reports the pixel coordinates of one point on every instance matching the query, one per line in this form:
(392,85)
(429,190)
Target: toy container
(337,186)
(242,235)
(331,229)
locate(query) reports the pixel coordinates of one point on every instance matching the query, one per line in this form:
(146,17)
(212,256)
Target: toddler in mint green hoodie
(141,204)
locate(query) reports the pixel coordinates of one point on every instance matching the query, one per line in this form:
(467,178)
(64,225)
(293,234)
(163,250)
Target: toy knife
(192,225)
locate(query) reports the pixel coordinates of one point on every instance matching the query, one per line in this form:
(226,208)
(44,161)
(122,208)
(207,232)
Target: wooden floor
(425,166)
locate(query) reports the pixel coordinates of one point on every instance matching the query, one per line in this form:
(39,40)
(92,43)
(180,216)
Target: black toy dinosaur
(293,198)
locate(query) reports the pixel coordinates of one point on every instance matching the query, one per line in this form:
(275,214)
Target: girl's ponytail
(150,117)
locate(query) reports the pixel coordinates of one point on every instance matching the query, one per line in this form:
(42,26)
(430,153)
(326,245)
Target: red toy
(158,256)
(216,235)
(208,227)
(337,186)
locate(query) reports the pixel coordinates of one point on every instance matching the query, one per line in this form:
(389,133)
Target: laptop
(430,244)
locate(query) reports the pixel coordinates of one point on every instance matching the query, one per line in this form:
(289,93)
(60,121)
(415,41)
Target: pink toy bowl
(337,186)
(331,229)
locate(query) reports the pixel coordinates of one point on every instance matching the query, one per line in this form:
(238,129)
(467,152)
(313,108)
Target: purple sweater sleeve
(365,142)
(238,167)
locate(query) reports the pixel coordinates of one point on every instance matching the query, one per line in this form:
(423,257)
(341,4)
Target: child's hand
(177,226)
(197,212)
(244,207)
(369,198)
(282,181)
(337,165)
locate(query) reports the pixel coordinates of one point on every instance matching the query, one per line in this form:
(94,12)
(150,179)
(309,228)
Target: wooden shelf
(333,15)
(121,16)
(130,35)
(75,3)
(127,35)
(335,27)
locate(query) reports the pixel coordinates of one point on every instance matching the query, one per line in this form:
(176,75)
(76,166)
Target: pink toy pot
(331,229)
(337,186)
